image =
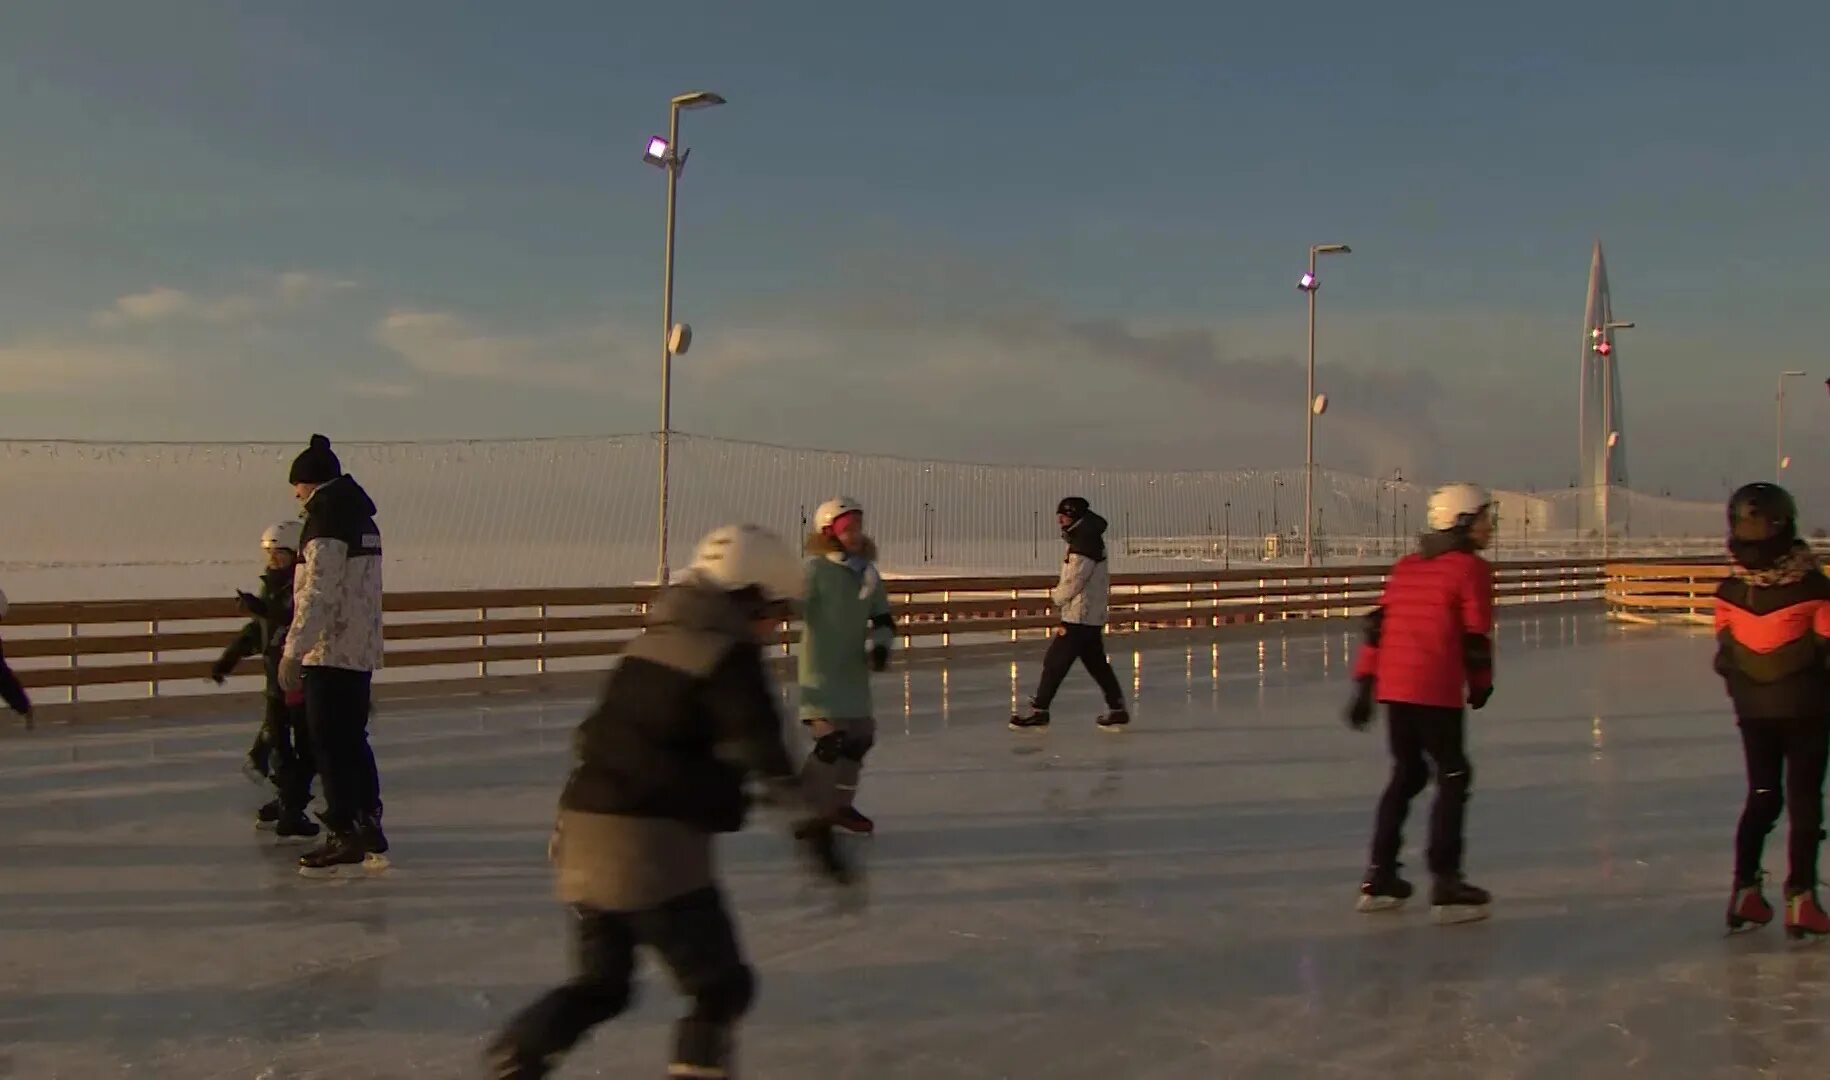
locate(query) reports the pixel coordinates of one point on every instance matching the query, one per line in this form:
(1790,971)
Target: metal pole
(1607,446)
(667,327)
(1779,436)
(1309,430)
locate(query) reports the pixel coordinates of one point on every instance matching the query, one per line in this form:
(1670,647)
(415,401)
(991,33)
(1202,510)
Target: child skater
(1772,627)
(1429,649)
(687,715)
(283,741)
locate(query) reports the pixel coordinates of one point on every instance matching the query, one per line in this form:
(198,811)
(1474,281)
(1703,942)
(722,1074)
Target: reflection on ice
(1172,902)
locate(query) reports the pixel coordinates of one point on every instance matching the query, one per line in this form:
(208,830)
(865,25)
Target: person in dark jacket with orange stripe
(1773,634)
(1429,650)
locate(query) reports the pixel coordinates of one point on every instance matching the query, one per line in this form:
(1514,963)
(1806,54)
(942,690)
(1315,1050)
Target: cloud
(445,345)
(163,304)
(51,367)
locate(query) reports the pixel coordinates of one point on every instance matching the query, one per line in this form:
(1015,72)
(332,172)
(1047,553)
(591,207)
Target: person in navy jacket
(1428,651)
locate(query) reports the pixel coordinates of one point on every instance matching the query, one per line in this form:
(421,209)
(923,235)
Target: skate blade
(266,826)
(370,866)
(1029,729)
(1371,904)
(299,839)
(1113,729)
(1456,914)
(1803,936)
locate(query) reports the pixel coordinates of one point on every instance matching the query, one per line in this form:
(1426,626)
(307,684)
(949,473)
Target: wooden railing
(93,651)
(1664,592)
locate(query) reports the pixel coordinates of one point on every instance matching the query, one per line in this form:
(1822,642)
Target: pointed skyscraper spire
(1599,411)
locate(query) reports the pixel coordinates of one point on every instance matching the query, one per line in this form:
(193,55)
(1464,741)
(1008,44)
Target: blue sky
(1015,231)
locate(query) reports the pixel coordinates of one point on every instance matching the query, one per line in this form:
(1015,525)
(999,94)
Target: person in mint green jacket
(846,633)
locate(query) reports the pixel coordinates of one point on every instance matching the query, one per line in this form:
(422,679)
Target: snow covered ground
(1173,902)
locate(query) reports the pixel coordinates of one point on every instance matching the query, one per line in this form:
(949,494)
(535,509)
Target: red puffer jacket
(1430,641)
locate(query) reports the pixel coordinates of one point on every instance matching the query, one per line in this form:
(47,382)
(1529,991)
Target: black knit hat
(317,465)
(1074,507)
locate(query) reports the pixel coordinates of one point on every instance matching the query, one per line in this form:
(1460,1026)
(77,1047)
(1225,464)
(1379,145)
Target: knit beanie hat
(317,465)
(1074,507)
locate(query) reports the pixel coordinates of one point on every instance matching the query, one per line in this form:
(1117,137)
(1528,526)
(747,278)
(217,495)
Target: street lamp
(1780,438)
(665,153)
(1602,342)
(1607,490)
(1312,405)
(1394,483)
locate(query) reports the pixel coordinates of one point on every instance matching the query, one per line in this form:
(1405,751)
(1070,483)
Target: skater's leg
(698,944)
(1443,733)
(1764,749)
(1062,651)
(362,754)
(859,735)
(1410,775)
(1090,645)
(323,709)
(820,772)
(601,988)
(1807,756)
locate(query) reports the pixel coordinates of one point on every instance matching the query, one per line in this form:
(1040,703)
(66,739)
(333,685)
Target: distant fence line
(89,520)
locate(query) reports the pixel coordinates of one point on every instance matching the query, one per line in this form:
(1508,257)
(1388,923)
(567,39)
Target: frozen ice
(1172,902)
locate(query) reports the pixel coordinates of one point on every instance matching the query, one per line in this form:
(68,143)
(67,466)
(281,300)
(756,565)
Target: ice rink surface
(1172,902)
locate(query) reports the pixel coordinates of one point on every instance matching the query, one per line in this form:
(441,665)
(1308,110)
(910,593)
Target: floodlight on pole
(665,153)
(1779,425)
(1313,405)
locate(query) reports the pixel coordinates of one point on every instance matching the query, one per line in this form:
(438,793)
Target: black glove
(248,601)
(880,657)
(821,850)
(1477,699)
(1360,710)
(219,671)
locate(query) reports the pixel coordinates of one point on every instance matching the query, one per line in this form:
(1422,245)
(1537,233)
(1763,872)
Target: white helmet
(284,535)
(833,509)
(1456,506)
(736,557)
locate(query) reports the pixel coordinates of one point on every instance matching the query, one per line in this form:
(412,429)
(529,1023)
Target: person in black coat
(11,690)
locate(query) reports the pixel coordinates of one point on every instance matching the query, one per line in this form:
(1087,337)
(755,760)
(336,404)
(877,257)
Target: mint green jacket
(844,615)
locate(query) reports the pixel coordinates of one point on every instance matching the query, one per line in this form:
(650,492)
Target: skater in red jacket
(1772,629)
(1429,649)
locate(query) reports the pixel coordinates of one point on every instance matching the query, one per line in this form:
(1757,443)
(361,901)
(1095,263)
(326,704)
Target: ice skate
(1034,720)
(1114,720)
(853,822)
(1748,908)
(1453,900)
(268,816)
(374,842)
(295,828)
(1805,918)
(506,1061)
(342,855)
(1383,890)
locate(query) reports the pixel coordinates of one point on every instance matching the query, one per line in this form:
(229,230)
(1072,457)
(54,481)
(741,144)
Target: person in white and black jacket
(1081,597)
(332,653)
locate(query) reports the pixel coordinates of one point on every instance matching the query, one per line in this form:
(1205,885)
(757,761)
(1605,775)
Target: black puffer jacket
(684,718)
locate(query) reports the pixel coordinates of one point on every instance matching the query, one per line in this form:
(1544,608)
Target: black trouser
(288,739)
(1087,644)
(1418,732)
(337,712)
(1785,771)
(697,943)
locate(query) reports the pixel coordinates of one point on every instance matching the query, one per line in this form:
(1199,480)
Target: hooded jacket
(1772,624)
(265,633)
(1085,588)
(844,614)
(1430,640)
(336,620)
(685,716)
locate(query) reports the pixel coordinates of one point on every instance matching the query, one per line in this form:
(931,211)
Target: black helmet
(1074,507)
(1762,511)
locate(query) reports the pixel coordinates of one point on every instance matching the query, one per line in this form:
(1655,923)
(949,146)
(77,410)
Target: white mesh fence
(118,520)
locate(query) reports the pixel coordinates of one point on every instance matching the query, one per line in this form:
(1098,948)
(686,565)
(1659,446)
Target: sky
(1060,232)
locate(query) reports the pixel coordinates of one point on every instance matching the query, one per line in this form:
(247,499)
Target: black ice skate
(294,828)
(342,855)
(1453,900)
(1383,890)
(1114,719)
(1034,720)
(269,815)
(504,1060)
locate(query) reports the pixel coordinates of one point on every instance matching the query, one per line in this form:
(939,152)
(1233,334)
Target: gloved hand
(821,849)
(880,657)
(1477,699)
(248,601)
(219,671)
(292,674)
(1360,710)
